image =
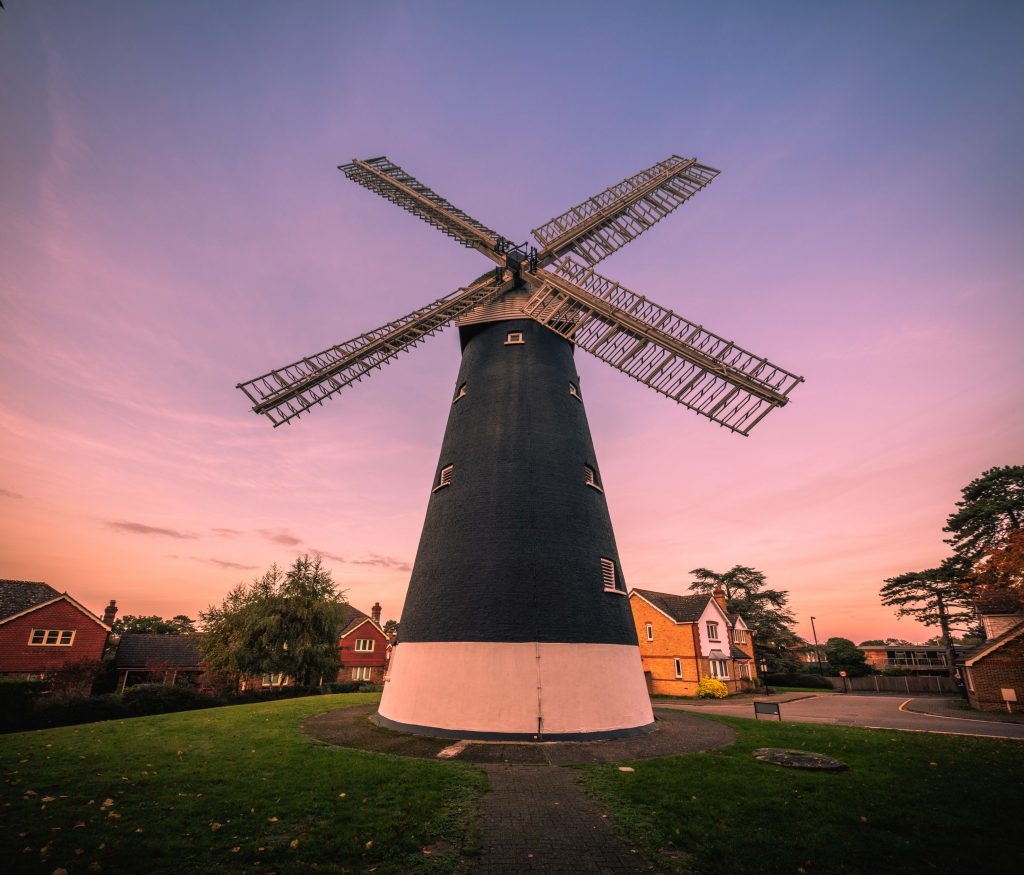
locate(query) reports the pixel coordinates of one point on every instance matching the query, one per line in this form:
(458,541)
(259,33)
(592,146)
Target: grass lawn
(225,790)
(909,803)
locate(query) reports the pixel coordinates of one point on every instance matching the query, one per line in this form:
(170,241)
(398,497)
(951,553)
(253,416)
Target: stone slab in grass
(799,759)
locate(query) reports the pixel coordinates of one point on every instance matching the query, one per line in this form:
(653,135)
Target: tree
(843,655)
(391,627)
(1002,570)
(991,507)
(152,624)
(763,610)
(282,622)
(934,597)
(888,642)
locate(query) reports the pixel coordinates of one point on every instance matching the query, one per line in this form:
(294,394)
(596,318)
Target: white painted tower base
(480,689)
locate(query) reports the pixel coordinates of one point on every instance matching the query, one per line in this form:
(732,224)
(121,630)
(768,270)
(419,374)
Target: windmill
(516,623)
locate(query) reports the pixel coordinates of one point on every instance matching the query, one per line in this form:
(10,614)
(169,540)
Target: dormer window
(611,577)
(574,390)
(513,338)
(590,478)
(713,632)
(739,636)
(446,477)
(460,394)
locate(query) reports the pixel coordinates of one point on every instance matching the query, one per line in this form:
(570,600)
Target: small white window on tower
(574,390)
(460,394)
(610,576)
(446,477)
(513,337)
(590,478)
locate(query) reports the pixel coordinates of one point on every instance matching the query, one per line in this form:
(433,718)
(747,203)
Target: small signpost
(1009,696)
(767,708)
(842,674)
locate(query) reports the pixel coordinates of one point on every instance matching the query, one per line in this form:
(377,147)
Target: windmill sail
(606,222)
(390,181)
(659,348)
(285,393)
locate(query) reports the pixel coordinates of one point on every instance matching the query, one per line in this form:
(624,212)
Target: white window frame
(720,669)
(590,478)
(514,338)
(650,632)
(361,673)
(460,394)
(739,636)
(444,478)
(52,637)
(678,664)
(712,628)
(969,677)
(364,645)
(273,679)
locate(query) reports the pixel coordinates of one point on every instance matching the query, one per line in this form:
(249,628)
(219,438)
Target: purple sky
(172,222)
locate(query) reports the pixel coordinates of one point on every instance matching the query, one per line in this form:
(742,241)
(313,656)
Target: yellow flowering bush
(712,688)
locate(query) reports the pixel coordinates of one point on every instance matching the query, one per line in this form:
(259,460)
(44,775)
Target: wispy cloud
(226,533)
(143,529)
(374,559)
(281,537)
(225,563)
(334,557)
(7,493)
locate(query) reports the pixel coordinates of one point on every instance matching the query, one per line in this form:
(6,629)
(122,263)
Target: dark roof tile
(20,595)
(137,650)
(681,608)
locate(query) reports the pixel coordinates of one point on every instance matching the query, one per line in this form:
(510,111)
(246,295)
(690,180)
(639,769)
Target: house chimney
(109,613)
(375,613)
(719,595)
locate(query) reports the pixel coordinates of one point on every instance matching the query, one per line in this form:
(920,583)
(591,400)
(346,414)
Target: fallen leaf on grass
(54,798)
(369,844)
(215,826)
(235,850)
(272,819)
(294,843)
(79,824)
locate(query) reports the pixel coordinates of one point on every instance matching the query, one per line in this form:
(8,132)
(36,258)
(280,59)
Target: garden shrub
(797,679)
(712,688)
(16,700)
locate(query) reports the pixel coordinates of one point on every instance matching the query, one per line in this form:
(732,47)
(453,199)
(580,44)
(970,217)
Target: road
(872,712)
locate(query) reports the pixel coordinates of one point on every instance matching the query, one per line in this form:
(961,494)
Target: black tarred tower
(516,623)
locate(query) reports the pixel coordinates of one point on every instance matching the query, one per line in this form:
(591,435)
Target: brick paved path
(538,819)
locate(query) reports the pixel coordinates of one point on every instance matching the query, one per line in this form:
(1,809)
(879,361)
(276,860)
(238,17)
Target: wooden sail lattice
(606,222)
(384,177)
(661,349)
(285,393)
(559,289)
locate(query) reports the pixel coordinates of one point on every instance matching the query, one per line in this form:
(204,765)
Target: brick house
(993,673)
(42,630)
(686,637)
(924,660)
(157,659)
(365,647)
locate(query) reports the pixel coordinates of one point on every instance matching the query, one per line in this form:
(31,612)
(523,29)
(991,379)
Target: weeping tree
(764,610)
(990,510)
(281,622)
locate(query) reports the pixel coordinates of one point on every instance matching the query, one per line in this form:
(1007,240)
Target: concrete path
(538,819)
(873,712)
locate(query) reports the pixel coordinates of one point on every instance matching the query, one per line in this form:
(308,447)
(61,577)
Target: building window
(273,679)
(650,632)
(969,676)
(574,390)
(364,644)
(611,577)
(739,636)
(720,668)
(713,632)
(744,669)
(679,667)
(445,479)
(361,673)
(460,394)
(590,478)
(51,637)
(513,338)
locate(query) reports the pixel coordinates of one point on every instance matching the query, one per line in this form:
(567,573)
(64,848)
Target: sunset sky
(172,222)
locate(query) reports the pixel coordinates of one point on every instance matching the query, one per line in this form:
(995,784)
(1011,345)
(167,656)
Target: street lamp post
(817,651)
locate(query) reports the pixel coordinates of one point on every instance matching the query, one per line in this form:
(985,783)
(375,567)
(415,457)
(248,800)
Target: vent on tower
(514,337)
(446,477)
(460,394)
(574,390)
(590,478)
(610,576)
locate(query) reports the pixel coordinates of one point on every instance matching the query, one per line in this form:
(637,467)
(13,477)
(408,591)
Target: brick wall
(1002,669)
(17,656)
(671,641)
(376,659)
